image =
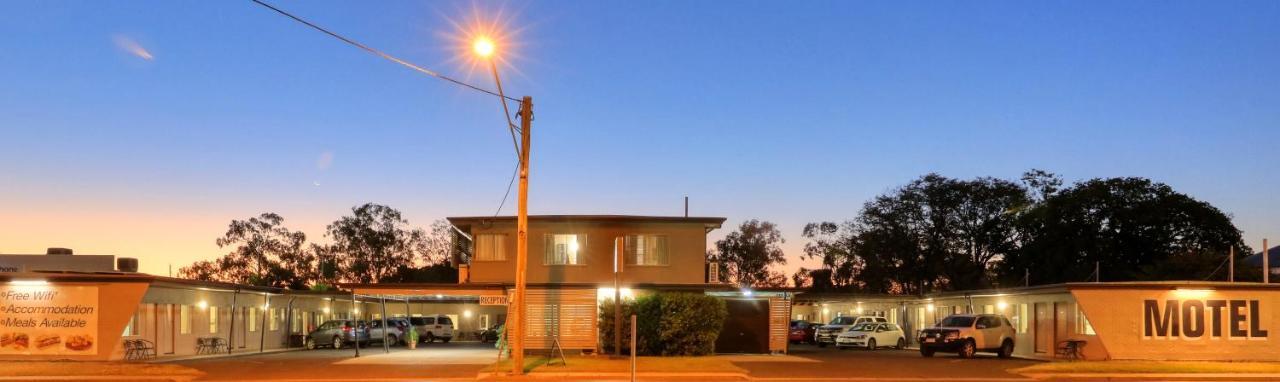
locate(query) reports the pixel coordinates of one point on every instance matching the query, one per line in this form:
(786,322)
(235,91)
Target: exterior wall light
(203,304)
(929,307)
(1002,305)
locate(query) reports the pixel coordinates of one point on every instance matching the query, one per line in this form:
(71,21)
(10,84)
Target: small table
(1071,349)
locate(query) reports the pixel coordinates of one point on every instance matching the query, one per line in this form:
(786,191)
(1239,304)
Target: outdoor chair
(1070,349)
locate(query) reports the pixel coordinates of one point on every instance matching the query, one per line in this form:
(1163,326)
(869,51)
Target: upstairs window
(646,250)
(564,249)
(491,247)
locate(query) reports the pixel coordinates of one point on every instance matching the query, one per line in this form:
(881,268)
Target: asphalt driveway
(811,362)
(454,360)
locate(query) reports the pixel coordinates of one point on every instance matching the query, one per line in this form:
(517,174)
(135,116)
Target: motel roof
(708,221)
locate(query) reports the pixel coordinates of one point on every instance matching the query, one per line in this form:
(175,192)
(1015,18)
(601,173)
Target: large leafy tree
(935,233)
(263,252)
(749,251)
(1128,228)
(372,243)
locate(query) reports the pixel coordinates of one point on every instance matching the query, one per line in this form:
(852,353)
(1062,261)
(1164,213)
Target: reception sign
(48,320)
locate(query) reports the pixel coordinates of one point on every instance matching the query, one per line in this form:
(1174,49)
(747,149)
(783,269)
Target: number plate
(929,340)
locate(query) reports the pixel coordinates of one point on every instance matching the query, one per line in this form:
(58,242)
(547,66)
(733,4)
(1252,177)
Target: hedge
(669,324)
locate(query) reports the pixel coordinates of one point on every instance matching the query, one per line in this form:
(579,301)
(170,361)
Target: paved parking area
(812,362)
(455,360)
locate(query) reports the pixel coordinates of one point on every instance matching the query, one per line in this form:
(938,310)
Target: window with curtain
(213,319)
(131,329)
(564,249)
(273,319)
(646,250)
(184,319)
(491,247)
(1082,323)
(253,319)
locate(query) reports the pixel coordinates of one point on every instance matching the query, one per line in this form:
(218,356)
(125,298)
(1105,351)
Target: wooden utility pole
(522,242)
(1266,264)
(1231,265)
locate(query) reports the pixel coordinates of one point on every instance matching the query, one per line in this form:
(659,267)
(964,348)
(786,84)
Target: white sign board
(48,320)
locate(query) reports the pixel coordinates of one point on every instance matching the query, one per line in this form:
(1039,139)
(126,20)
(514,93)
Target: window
(273,319)
(253,319)
(213,319)
(131,329)
(491,247)
(645,250)
(989,309)
(1082,323)
(451,320)
(1023,318)
(184,319)
(564,249)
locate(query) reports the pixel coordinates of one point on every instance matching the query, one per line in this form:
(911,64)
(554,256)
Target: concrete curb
(585,374)
(220,356)
(1158,376)
(104,378)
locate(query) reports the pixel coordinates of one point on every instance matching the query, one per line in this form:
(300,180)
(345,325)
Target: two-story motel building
(571,269)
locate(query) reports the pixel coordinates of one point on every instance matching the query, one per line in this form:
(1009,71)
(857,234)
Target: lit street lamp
(485,48)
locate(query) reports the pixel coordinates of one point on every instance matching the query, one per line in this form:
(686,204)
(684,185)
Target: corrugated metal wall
(569,314)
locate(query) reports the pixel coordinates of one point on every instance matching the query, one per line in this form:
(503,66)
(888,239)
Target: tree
(264,253)
(439,245)
(372,243)
(935,233)
(1134,228)
(750,251)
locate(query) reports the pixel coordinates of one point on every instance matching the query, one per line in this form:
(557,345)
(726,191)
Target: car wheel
(309,343)
(431,338)
(871,344)
(337,342)
(1006,349)
(902,343)
(968,349)
(926,352)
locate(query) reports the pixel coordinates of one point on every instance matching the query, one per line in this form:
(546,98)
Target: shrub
(671,324)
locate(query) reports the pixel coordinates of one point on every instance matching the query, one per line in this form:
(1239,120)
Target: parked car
(395,334)
(827,333)
(967,334)
(801,331)
(337,333)
(872,335)
(490,334)
(433,327)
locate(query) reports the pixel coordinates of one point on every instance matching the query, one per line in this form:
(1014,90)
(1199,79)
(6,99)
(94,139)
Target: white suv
(826,334)
(967,334)
(433,327)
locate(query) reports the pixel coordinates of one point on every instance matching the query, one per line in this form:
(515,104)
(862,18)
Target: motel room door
(166,327)
(1043,328)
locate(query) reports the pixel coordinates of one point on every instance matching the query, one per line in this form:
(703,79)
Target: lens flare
(483,38)
(483,47)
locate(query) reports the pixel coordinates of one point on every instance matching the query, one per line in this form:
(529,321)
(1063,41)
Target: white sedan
(871,336)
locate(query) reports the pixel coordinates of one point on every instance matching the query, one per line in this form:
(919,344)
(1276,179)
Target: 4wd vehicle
(337,333)
(967,334)
(826,334)
(872,335)
(395,334)
(433,327)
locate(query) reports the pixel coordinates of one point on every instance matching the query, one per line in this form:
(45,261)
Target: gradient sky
(787,111)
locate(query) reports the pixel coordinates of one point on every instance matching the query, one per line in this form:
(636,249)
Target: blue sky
(787,111)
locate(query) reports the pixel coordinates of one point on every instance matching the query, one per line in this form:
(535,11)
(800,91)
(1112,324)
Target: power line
(384,55)
(508,193)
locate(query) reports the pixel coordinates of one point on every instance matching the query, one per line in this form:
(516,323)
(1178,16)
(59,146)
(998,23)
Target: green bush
(668,323)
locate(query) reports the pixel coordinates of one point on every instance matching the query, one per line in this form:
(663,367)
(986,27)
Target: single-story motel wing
(88,316)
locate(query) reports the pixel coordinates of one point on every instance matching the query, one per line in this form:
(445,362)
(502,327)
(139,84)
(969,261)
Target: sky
(140,129)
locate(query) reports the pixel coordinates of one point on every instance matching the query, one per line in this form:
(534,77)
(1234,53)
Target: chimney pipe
(686,206)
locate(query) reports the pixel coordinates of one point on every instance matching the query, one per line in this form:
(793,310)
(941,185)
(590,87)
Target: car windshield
(842,321)
(864,327)
(957,321)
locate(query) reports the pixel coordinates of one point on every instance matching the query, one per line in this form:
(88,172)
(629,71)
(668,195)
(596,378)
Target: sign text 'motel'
(1200,318)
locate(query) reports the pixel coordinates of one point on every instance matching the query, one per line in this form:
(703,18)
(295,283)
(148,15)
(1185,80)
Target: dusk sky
(141,129)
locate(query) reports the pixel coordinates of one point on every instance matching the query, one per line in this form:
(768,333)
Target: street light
(485,49)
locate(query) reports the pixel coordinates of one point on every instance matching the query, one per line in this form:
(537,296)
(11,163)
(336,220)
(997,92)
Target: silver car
(337,333)
(396,332)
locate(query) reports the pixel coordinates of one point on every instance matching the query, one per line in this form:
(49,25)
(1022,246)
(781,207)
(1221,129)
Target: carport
(470,307)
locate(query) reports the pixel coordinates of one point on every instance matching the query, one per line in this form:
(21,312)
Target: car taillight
(346,329)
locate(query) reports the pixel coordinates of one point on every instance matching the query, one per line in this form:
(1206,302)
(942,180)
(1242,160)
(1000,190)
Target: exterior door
(746,328)
(1043,328)
(166,328)
(1059,322)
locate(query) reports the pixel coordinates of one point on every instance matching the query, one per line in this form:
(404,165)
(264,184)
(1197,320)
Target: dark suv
(967,334)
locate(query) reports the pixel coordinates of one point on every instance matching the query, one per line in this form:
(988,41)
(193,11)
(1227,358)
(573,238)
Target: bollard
(633,348)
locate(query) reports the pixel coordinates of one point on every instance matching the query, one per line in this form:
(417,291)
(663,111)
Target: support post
(1266,264)
(231,333)
(517,314)
(386,347)
(262,322)
(633,347)
(356,321)
(1231,265)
